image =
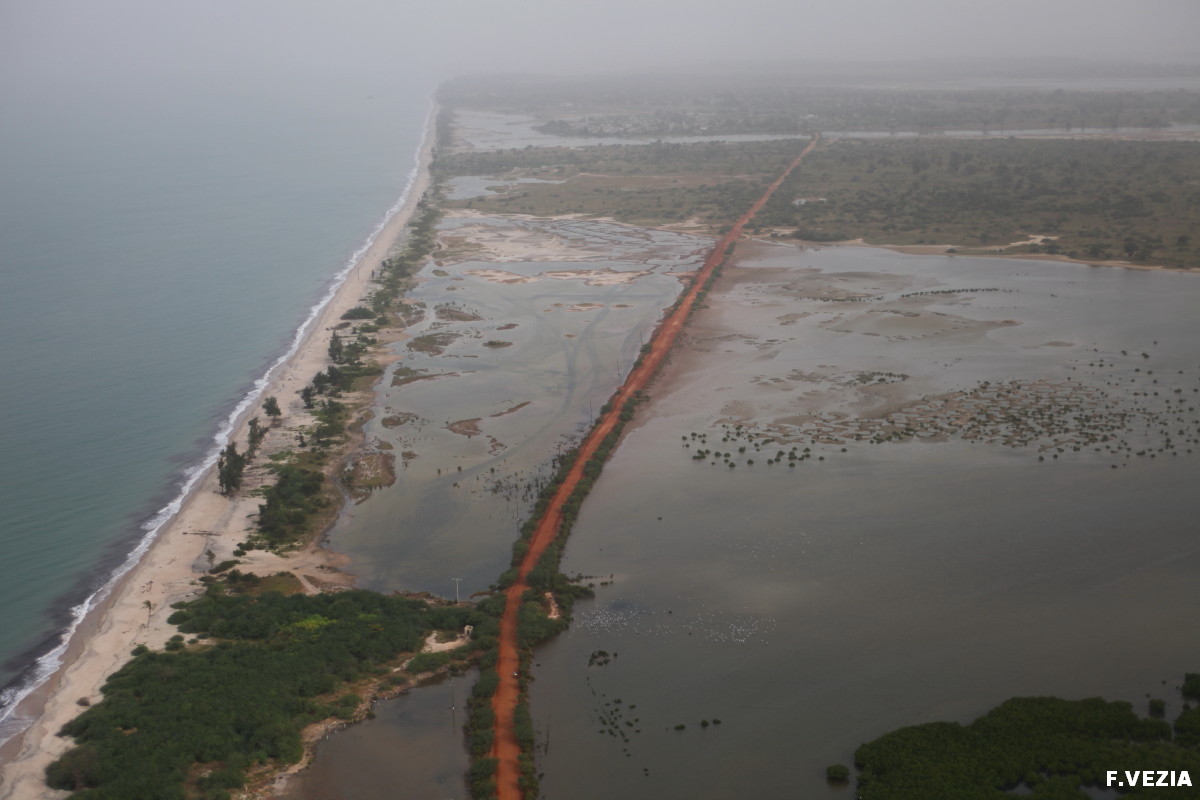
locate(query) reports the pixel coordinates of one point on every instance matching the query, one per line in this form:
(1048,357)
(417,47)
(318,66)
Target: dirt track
(504,703)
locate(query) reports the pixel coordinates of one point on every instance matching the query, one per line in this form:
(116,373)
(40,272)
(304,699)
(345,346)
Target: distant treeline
(783,104)
(1097,199)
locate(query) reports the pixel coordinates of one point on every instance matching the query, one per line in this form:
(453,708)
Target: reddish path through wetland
(504,702)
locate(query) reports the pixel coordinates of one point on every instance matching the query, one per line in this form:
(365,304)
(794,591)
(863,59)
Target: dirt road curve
(504,702)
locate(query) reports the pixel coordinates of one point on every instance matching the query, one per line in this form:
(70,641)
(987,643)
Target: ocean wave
(46,665)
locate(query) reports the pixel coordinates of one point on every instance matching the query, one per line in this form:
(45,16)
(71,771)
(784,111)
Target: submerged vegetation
(1108,410)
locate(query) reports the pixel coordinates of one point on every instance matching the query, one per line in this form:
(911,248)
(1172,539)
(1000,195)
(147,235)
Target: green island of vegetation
(1041,747)
(188,722)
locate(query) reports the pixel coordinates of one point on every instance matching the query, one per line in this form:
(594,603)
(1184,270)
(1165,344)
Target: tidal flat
(929,484)
(504,364)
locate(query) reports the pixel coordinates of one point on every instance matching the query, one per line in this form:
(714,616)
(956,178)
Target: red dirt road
(504,702)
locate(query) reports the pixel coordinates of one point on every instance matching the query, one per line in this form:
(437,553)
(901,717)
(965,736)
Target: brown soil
(465,427)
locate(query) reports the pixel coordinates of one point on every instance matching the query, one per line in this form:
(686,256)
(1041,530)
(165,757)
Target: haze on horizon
(82,48)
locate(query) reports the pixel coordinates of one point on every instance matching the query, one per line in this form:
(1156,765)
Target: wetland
(937,545)
(511,356)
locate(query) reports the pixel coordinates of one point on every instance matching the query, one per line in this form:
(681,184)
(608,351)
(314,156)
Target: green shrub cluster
(288,503)
(395,271)
(1049,745)
(480,731)
(168,717)
(428,662)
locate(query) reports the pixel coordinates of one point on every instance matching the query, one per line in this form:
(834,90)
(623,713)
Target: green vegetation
(187,723)
(231,465)
(395,272)
(1047,745)
(236,582)
(1086,199)
(837,773)
(256,435)
(654,184)
(288,504)
(428,662)
(481,720)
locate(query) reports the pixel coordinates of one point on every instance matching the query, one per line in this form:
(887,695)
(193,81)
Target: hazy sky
(49,44)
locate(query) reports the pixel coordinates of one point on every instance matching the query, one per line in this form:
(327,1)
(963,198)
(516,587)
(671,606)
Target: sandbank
(207,529)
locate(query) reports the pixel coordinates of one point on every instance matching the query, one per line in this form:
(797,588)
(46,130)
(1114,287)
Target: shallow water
(412,748)
(815,607)
(462,492)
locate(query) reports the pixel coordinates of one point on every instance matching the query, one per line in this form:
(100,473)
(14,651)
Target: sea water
(157,255)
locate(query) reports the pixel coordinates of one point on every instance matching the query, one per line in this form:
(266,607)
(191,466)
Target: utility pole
(457,582)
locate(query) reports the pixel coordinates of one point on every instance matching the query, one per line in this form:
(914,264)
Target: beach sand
(136,610)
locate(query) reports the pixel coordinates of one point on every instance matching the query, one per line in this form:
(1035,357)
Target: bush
(837,773)
(427,662)
(244,699)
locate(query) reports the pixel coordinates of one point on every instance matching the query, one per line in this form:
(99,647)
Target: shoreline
(205,528)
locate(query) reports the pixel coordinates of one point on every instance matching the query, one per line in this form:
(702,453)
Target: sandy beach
(207,529)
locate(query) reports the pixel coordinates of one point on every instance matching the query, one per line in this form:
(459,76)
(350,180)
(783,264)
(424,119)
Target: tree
(230,467)
(336,349)
(257,432)
(837,773)
(271,409)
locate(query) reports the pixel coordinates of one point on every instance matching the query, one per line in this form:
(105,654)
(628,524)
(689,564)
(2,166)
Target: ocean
(158,253)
